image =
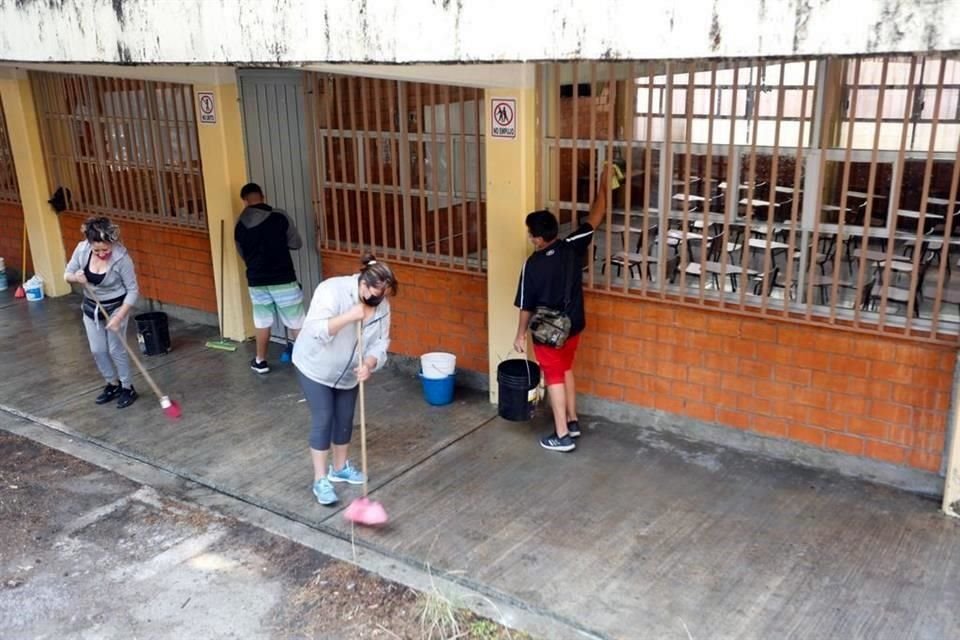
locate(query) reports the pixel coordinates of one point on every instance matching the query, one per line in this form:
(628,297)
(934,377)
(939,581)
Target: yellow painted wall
(43,230)
(511,195)
(224,173)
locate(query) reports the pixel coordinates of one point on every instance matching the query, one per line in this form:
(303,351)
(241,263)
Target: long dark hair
(377,274)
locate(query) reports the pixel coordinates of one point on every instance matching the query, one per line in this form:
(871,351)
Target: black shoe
(127,398)
(553,442)
(109,392)
(260,366)
(574,427)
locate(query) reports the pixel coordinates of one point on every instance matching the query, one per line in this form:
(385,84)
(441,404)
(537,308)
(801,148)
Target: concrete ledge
(632,416)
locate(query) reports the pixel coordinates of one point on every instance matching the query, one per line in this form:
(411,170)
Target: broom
(20,292)
(364,510)
(171,408)
(221,343)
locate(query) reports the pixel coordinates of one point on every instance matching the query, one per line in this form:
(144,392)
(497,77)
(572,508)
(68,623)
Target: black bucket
(517,381)
(152,333)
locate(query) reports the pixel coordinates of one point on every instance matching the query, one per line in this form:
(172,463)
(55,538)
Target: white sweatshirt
(330,360)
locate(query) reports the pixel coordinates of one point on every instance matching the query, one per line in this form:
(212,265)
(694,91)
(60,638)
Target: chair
(715,246)
(714,269)
(823,283)
(873,293)
(929,250)
(764,283)
(825,253)
(633,261)
(618,257)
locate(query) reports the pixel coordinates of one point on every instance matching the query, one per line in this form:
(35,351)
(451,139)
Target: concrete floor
(637,534)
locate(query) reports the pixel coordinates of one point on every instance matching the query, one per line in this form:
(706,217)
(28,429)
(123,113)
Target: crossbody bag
(551,327)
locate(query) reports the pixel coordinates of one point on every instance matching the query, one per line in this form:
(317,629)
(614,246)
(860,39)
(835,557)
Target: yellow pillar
(43,229)
(224,173)
(511,194)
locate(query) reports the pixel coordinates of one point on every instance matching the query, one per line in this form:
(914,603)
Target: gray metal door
(275,131)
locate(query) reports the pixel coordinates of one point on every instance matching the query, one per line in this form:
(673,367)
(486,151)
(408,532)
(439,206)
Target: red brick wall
(436,310)
(869,396)
(173,265)
(11,238)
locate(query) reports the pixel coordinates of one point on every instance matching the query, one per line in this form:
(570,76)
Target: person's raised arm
(598,208)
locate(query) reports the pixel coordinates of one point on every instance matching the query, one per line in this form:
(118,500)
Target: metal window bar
(421,154)
(871,186)
(9,188)
(405,186)
(123,148)
(829,228)
(792,253)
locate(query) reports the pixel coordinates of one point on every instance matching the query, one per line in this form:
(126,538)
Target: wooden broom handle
(123,341)
(363,413)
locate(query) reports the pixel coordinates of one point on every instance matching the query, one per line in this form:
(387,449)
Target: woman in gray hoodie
(103,264)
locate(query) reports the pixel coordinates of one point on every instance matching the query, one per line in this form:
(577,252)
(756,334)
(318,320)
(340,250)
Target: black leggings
(331,413)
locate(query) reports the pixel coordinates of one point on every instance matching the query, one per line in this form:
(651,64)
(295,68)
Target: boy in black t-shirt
(264,238)
(552,277)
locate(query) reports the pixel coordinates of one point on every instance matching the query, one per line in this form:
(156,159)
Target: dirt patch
(185,514)
(343,601)
(55,577)
(135,531)
(41,489)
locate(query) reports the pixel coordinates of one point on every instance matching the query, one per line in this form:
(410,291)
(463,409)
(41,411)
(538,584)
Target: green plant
(438,618)
(439,615)
(483,630)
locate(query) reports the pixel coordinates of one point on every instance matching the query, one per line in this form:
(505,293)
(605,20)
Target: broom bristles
(171,408)
(222,345)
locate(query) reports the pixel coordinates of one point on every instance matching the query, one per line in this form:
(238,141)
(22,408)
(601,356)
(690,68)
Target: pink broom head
(365,511)
(171,408)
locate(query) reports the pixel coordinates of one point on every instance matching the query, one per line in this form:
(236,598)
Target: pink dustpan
(365,511)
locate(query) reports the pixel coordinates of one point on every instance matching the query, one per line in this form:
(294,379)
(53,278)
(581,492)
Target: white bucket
(437,365)
(34,288)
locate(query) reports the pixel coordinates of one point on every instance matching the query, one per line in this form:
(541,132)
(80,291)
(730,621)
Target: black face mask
(373,301)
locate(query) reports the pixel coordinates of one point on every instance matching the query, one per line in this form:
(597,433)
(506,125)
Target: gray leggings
(108,352)
(331,413)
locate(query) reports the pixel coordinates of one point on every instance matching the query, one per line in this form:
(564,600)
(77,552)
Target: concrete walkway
(638,534)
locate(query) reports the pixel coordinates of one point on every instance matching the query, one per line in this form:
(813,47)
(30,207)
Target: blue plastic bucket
(34,294)
(438,391)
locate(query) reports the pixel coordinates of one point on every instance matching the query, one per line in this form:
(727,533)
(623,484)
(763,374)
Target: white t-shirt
(331,359)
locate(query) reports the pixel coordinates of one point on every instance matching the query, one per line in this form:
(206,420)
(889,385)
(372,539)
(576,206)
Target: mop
(20,292)
(171,408)
(364,510)
(221,343)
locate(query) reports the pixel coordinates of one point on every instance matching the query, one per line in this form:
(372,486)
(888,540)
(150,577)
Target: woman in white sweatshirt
(330,366)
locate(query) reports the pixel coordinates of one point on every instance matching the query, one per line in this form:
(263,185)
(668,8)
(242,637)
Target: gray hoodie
(120,278)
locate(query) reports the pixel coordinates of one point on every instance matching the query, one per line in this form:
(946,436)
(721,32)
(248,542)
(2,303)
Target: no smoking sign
(503,117)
